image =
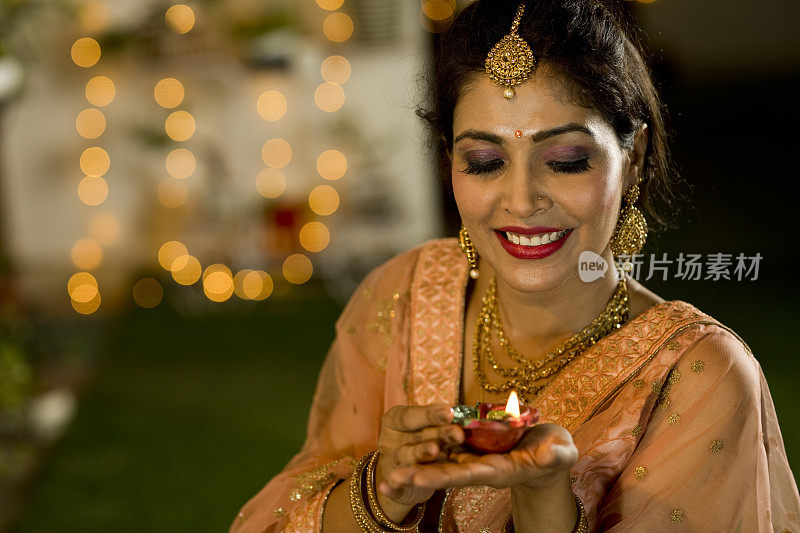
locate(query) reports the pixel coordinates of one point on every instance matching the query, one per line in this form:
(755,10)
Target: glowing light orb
(297,269)
(331,164)
(85,52)
(323,200)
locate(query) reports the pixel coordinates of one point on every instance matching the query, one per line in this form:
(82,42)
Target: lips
(523,251)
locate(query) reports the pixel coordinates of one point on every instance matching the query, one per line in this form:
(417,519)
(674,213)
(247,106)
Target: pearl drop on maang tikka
(511,60)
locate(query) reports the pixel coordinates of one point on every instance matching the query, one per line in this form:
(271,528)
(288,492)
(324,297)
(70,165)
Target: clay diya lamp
(495,428)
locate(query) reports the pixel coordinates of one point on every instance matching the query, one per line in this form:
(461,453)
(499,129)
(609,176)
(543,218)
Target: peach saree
(671,413)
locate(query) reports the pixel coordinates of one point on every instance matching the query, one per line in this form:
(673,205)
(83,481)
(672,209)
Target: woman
(655,416)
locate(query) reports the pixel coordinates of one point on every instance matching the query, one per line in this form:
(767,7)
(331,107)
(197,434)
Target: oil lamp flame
(512,407)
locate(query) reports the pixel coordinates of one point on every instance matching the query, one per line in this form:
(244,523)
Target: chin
(532,280)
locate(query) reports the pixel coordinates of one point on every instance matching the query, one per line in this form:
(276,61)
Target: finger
(443,475)
(415,418)
(411,454)
(393,493)
(446,434)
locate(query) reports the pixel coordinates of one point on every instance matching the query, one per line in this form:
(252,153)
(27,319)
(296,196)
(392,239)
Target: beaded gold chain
(523,378)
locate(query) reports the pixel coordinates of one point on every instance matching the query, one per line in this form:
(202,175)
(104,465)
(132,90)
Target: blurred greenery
(188,418)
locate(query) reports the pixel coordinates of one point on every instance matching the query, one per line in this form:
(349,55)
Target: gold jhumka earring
(631,230)
(465,243)
(511,60)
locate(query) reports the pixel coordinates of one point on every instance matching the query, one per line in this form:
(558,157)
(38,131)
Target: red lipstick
(530,252)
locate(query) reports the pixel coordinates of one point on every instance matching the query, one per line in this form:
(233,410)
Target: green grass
(188,418)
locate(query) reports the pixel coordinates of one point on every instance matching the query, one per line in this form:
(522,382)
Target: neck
(540,317)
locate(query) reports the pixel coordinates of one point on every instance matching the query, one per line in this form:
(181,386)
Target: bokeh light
(85,52)
(93,190)
(87,254)
(276,153)
(217,283)
(95,161)
(329,97)
(338,27)
(331,164)
(169,93)
(180,126)
(323,200)
(87,308)
(91,123)
(315,236)
(297,269)
(271,105)
(181,163)
(93,16)
(330,5)
(267,285)
(180,18)
(172,193)
(82,287)
(148,293)
(104,228)
(336,69)
(271,183)
(100,91)
(169,252)
(239,284)
(437,10)
(186,270)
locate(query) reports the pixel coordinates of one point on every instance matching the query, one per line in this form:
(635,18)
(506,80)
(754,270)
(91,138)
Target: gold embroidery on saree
(698,366)
(677,516)
(383,323)
(716,446)
(674,419)
(307,483)
(640,472)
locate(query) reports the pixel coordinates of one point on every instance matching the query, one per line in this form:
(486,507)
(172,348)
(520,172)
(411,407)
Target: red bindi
(518,134)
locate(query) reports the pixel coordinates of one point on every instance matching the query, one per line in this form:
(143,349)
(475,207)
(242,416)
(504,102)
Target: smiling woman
(651,413)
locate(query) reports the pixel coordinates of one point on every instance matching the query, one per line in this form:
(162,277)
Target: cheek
(593,202)
(475,201)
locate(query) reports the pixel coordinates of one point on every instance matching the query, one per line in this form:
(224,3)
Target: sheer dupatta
(671,414)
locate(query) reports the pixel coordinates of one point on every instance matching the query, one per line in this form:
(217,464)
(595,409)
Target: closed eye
(570,167)
(483,167)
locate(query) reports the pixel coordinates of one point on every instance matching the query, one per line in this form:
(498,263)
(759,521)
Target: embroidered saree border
(437,307)
(436,349)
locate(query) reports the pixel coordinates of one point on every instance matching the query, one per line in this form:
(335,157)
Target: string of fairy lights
(219,283)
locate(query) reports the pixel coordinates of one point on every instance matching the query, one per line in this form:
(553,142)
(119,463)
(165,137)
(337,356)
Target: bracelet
(375,507)
(583,523)
(364,520)
(362,514)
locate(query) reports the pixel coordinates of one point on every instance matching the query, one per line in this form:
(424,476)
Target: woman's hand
(542,458)
(412,436)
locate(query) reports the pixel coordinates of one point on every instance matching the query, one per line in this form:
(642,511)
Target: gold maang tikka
(511,60)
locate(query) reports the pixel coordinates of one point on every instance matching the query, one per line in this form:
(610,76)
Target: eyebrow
(536,137)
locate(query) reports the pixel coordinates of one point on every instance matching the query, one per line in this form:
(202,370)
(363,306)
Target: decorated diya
(492,427)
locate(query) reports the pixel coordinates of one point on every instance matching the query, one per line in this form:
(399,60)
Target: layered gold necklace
(529,377)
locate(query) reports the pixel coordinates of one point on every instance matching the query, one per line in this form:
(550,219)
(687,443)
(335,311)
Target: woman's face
(509,153)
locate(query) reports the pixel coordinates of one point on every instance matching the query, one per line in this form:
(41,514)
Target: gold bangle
(583,523)
(375,508)
(362,516)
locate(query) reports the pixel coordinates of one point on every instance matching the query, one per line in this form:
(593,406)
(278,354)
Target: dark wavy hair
(596,48)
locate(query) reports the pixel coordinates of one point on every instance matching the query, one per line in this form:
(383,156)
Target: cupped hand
(545,453)
(412,436)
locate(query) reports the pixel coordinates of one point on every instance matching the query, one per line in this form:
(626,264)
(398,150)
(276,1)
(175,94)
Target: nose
(523,195)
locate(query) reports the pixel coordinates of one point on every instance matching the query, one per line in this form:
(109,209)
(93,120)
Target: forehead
(542,102)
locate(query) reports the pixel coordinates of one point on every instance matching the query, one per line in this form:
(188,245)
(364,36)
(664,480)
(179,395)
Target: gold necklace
(523,378)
